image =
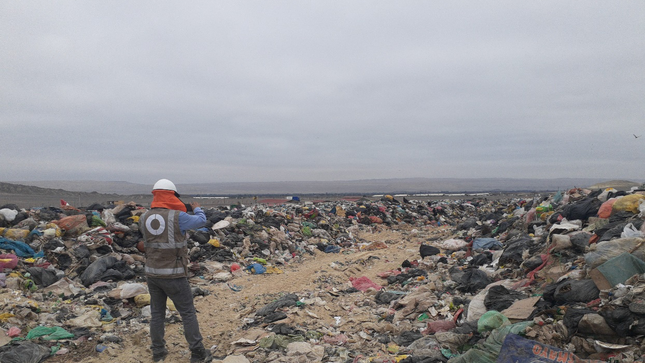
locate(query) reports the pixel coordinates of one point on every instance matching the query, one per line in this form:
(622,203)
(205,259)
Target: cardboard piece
(521,309)
(616,271)
(4,339)
(599,279)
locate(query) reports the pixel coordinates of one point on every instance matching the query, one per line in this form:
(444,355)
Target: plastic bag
(487,243)
(108,217)
(132,290)
(571,291)
(605,194)
(16,234)
(543,208)
(491,320)
(53,333)
(488,351)
(13,332)
(560,242)
(8,261)
(453,244)
(256,268)
(606,208)
(8,214)
(473,280)
(500,298)
(610,249)
(364,283)
(73,225)
(631,232)
(582,209)
(530,216)
(628,203)
(25,352)
(95,270)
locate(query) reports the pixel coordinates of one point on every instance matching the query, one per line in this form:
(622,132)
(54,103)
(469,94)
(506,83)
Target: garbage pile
(556,278)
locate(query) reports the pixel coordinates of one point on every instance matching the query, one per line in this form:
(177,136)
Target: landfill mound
(557,278)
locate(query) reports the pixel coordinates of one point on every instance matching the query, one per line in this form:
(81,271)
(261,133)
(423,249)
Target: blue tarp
(21,249)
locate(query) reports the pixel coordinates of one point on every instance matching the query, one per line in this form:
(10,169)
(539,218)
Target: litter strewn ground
(344,281)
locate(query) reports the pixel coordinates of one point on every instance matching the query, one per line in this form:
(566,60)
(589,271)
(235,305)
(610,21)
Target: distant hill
(616,184)
(360,187)
(30,196)
(10,188)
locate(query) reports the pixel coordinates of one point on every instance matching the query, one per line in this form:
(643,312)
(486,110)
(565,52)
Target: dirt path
(222,312)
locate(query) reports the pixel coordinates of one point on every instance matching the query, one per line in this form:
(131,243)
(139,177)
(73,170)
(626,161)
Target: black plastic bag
(42,277)
(426,251)
(407,337)
(580,241)
(572,318)
(582,210)
(500,298)
(515,249)
(473,280)
(286,300)
(384,297)
(482,259)
(25,352)
(619,320)
(94,271)
(201,237)
(571,291)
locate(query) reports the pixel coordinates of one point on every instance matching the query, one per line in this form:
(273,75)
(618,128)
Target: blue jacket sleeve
(188,221)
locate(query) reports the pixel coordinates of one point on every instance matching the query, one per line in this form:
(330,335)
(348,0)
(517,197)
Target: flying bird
(637,136)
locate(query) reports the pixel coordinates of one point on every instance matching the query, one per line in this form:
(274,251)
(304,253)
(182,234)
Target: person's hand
(195,205)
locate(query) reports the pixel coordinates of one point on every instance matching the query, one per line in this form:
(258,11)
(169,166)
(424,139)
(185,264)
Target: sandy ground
(221,313)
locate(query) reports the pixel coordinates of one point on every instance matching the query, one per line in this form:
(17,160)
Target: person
(164,229)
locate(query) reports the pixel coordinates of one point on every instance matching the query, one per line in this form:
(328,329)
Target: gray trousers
(178,290)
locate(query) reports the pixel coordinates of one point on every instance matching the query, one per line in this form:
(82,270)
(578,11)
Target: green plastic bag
(55,333)
(97,221)
(491,320)
(488,351)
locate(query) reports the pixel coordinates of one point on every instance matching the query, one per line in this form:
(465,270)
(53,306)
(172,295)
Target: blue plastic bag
(256,268)
(486,243)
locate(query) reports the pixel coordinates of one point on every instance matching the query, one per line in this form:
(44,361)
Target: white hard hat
(165,184)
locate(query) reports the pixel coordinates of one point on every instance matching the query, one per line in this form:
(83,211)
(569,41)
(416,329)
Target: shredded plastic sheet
(516,349)
(20,248)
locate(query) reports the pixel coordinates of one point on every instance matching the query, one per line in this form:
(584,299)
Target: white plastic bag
(9,214)
(641,209)
(132,290)
(631,232)
(453,244)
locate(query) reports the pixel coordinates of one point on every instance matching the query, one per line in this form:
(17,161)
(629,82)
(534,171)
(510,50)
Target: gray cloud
(289,90)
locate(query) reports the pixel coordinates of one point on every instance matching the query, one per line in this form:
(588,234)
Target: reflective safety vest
(165,246)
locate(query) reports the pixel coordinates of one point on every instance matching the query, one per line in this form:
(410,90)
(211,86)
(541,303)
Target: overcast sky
(233,91)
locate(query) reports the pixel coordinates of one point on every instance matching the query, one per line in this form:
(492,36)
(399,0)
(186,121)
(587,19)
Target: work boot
(201,355)
(160,356)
